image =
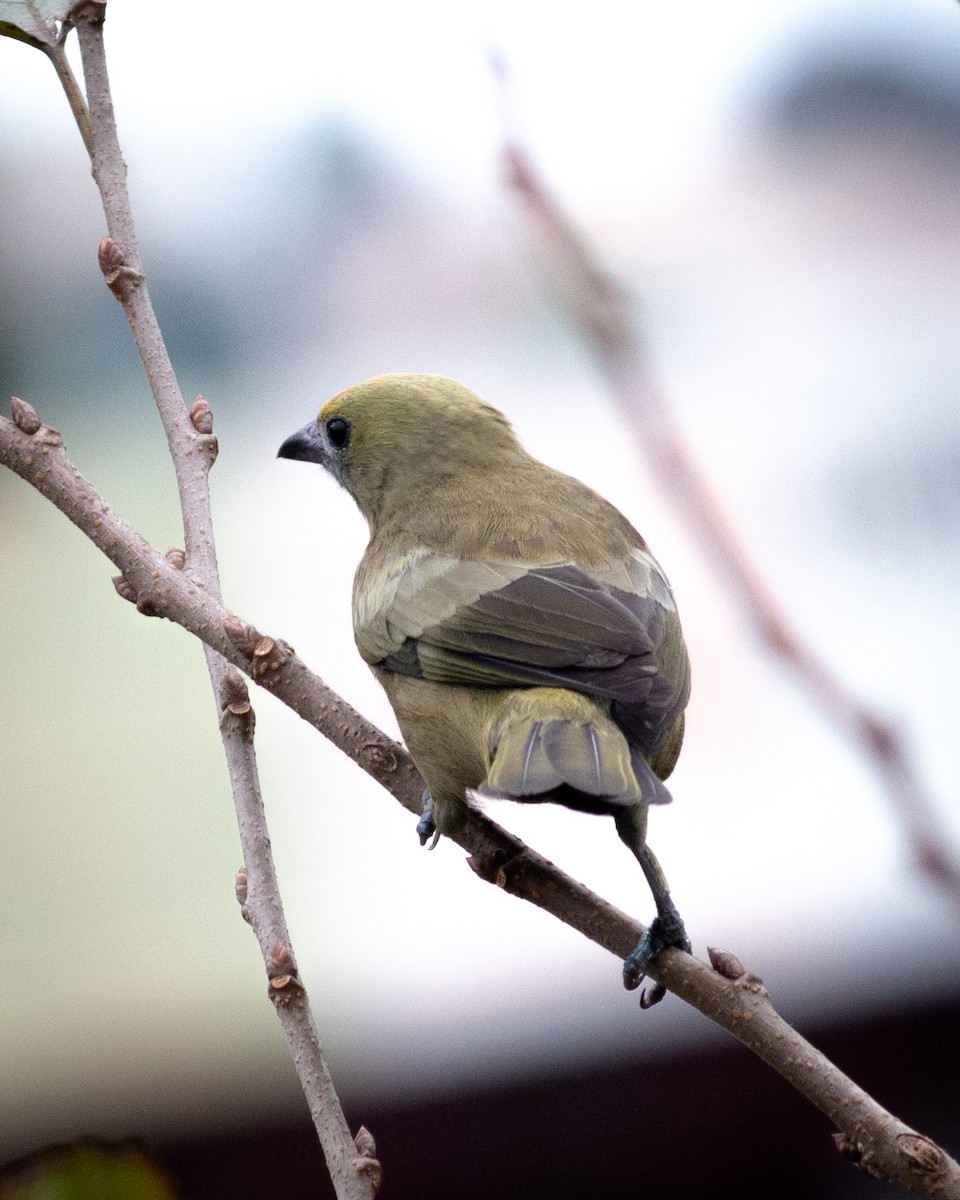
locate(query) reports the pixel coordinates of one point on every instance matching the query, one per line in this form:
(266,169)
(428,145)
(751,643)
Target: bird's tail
(553,744)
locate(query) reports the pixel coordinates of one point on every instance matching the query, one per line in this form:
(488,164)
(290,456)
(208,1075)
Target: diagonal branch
(603,314)
(723,991)
(78,106)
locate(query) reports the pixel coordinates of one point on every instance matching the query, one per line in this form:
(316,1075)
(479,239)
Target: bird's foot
(666,929)
(426,829)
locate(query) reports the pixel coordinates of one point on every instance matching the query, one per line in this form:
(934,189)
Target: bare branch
(356,1174)
(604,314)
(119,258)
(724,992)
(193,448)
(78,106)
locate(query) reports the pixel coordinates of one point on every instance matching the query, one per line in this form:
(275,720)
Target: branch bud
(364,1142)
(110,256)
(243,636)
(24,415)
(280,961)
(119,278)
(268,656)
(726,964)
(234,697)
(176,558)
(284,986)
(847,1147)
(202,416)
(241,886)
(367,1163)
(125,590)
(488,866)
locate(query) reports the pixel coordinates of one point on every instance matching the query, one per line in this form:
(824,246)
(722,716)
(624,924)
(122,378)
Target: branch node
(202,419)
(235,703)
(923,1156)
(378,760)
(120,279)
(234,696)
(753,983)
(201,416)
(24,416)
(730,967)
(269,656)
(364,1142)
(725,963)
(243,636)
(110,256)
(94,12)
(280,961)
(125,590)
(284,984)
(367,1164)
(854,1152)
(846,1147)
(490,867)
(264,647)
(240,887)
(212,447)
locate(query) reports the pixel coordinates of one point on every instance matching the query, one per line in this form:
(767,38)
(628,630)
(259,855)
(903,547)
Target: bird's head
(392,436)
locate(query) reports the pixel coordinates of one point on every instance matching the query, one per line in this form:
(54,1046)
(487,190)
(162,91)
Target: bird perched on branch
(527,639)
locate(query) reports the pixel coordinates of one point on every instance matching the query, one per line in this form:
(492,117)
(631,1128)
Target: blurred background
(319,199)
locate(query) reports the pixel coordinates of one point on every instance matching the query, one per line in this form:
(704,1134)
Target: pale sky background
(318,201)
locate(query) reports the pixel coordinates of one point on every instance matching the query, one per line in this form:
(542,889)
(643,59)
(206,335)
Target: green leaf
(87,1170)
(32,21)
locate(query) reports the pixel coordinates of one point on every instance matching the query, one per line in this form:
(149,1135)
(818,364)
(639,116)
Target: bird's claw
(664,931)
(426,829)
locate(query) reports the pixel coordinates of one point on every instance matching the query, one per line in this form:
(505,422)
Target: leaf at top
(32,21)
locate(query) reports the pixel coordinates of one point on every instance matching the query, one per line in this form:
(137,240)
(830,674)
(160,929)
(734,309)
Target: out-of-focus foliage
(86,1170)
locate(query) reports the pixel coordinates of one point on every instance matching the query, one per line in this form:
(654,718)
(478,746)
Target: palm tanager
(527,639)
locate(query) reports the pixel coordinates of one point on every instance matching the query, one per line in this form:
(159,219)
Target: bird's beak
(306,444)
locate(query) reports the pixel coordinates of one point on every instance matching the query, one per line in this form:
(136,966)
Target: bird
(527,639)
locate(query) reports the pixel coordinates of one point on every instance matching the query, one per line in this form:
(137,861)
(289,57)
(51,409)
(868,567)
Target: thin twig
(724,992)
(78,106)
(120,262)
(193,448)
(352,1163)
(604,314)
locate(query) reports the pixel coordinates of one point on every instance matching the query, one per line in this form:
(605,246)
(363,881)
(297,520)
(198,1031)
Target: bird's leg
(667,928)
(426,829)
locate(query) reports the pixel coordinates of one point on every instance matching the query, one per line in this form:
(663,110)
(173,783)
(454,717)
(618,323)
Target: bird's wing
(610,633)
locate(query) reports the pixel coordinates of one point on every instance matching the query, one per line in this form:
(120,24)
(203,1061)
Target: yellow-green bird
(526,637)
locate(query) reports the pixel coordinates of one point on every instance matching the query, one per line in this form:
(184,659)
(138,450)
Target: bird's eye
(338,431)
